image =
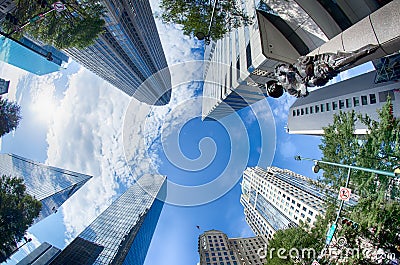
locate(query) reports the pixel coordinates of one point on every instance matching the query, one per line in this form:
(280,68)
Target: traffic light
(42,3)
(350,223)
(12,19)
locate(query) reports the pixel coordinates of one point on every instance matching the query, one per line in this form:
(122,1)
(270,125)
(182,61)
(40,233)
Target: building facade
(311,114)
(4,86)
(123,232)
(215,248)
(42,255)
(275,199)
(50,185)
(129,54)
(239,65)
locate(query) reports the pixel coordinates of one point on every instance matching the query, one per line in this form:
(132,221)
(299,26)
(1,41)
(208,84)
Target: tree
(17,212)
(303,241)
(195,16)
(378,209)
(9,116)
(77,26)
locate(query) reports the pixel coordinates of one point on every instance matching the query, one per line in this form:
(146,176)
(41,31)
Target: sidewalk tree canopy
(9,116)
(17,212)
(77,26)
(195,16)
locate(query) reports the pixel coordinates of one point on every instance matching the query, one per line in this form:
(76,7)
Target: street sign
(315,262)
(58,6)
(344,194)
(330,234)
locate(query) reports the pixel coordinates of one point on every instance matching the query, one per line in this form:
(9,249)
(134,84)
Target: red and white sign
(58,6)
(315,262)
(344,194)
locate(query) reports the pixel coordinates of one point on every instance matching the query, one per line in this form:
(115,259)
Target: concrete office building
(42,255)
(275,199)
(129,52)
(239,65)
(51,186)
(122,233)
(215,248)
(364,94)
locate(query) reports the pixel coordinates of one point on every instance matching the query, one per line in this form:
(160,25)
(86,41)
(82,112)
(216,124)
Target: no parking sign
(344,194)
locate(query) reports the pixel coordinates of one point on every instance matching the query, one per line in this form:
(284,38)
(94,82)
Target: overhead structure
(239,66)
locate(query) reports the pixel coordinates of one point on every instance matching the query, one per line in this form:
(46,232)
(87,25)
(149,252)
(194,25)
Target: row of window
(341,104)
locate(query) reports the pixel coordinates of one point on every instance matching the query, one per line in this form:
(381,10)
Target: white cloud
(85,136)
(15,75)
(280,106)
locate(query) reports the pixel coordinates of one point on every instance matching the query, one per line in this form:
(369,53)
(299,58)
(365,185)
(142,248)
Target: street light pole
(201,35)
(371,170)
(376,171)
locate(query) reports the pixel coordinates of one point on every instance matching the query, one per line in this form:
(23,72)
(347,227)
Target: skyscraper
(239,65)
(129,52)
(275,199)
(123,232)
(364,94)
(42,255)
(50,185)
(216,248)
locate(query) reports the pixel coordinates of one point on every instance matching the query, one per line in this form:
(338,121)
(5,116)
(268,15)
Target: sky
(74,120)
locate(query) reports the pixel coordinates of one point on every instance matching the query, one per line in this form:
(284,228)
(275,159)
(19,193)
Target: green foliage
(378,209)
(297,244)
(195,16)
(77,26)
(9,116)
(17,212)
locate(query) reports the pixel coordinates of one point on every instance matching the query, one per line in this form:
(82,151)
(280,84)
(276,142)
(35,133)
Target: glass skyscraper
(50,185)
(129,52)
(123,232)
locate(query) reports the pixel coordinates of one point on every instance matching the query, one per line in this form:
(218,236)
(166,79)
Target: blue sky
(74,120)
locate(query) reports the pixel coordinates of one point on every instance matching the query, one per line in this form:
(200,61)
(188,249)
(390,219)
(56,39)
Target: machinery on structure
(366,40)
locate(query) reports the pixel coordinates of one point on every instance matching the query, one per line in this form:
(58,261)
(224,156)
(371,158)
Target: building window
(316,109)
(364,100)
(248,55)
(372,99)
(310,212)
(311,110)
(348,103)
(385,94)
(341,104)
(302,111)
(294,113)
(306,110)
(322,108)
(334,105)
(328,107)
(298,112)
(356,101)
(238,67)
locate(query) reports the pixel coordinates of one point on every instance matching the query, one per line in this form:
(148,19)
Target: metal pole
(31,20)
(376,171)
(212,16)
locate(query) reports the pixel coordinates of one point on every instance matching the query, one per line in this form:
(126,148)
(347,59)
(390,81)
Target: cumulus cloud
(85,136)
